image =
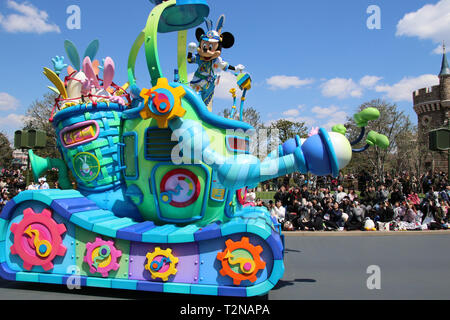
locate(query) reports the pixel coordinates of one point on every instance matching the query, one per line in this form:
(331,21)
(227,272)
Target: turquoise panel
(259,227)
(86,219)
(3,252)
(110,227)
(277,272)
(124,284)
(98,282)
(185,234)
(159,234)
(50,278)
(204,290)
(177,288)
(27,276)
(259,289)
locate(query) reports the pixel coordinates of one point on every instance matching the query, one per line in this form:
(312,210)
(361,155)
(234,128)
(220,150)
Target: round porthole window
(426,120)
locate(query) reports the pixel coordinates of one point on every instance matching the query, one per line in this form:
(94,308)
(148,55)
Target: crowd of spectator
(367,202)
(349,202)
(13,181)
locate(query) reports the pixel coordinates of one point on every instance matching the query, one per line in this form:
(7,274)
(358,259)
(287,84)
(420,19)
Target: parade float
(160,179)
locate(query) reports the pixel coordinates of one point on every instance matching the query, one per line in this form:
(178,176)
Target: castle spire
(445,69)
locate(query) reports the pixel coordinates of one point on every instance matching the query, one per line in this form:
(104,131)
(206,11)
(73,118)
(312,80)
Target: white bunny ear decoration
(209,24)
(220,23)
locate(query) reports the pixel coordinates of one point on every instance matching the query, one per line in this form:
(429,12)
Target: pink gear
(42,230)
(113,255)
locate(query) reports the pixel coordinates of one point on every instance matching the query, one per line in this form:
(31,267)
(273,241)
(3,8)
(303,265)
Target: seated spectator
(382,195)
(352,195)
(414,198)
(282,195)
(399,211)
(259,203)
(339,194)
(355,221)
(370,197)
(337,218)
(270,205)
(396,196)
(305,192)
(385,212)
(294,196)
(279,212)
(250,197)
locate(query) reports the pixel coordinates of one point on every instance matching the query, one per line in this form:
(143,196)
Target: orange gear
(248,266)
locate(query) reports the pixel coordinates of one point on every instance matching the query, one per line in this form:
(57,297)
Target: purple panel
(6,273)
(188,262)
(211,231)
(276,245)
(67,207)
(134,233)
(8,210)
(232,291)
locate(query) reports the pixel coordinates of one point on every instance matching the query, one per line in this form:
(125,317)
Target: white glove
(239,68)
(192,47)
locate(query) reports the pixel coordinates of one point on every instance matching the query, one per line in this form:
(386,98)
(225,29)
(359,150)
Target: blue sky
(312,61)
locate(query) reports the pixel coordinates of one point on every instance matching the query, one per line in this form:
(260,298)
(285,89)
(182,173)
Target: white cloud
(227,82)
(334,114)
(316,118)
(341,88)
(369,81)
(12,122)
(402,90)
(286,82)
(295,112)
(8,102)
(27,19)
(431,22)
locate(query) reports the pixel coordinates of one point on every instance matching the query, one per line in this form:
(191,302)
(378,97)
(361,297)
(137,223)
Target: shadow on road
(291,250)
(285,283)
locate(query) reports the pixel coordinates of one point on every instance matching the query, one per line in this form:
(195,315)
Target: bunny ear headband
(214,35)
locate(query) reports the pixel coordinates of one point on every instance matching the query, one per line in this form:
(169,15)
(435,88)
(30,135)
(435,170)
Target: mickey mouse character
(208,59)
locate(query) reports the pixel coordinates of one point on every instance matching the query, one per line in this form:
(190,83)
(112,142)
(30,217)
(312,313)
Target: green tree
(288,129)
(6,151)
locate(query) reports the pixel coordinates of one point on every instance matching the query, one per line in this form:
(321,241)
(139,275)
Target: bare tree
(38,115)
(394,124)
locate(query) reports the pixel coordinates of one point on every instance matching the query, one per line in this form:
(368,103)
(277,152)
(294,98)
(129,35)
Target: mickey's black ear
(227,40)
(199,33)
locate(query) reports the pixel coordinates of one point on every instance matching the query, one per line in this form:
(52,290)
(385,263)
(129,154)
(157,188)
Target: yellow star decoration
(177,110)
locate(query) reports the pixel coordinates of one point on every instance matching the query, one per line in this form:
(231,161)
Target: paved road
(413,265)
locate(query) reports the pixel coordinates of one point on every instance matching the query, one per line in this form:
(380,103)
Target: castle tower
(432,106)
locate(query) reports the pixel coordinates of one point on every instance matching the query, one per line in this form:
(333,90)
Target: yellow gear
(167,254)
(177,110)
